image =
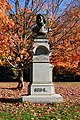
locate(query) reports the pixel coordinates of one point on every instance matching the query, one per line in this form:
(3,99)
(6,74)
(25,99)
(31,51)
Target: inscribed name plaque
(42,89)
(41,58)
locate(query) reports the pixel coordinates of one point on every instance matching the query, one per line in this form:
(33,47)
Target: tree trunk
(20,79)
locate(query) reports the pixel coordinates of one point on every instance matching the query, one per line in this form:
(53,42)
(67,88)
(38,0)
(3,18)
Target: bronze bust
(40,27)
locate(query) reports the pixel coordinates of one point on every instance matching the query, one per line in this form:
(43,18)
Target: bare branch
(16,6)
(26,3)
(66,33)
(10,62)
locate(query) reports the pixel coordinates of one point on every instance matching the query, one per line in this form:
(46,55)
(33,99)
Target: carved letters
(40,90)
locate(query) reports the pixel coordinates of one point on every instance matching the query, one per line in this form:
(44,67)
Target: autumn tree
(6,24)
(65,39)
(17,36)
(16,40)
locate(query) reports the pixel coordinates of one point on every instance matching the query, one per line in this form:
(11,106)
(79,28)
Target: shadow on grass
(10,100)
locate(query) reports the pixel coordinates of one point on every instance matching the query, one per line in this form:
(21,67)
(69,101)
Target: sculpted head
(41,24)
(40,20)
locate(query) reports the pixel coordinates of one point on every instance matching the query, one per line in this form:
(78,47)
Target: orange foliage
(65,41)
(15,35)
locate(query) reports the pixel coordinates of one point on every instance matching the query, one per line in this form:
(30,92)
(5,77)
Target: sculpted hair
(38,19)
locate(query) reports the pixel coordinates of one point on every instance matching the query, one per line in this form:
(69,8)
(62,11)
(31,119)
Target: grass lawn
(69,109)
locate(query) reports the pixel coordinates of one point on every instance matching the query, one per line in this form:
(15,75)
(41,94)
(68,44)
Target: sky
(62,6)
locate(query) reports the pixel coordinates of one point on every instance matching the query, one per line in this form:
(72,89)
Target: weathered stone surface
(41,58)
(40,73)
(55,98)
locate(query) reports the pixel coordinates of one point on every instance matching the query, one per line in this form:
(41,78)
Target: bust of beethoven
(41,22)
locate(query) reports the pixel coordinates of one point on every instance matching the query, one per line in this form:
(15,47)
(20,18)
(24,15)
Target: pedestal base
(55,98)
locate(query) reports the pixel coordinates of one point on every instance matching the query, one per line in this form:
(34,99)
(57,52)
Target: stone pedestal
(42,89)
(55,98)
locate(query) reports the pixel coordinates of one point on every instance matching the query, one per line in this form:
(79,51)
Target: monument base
(55,98)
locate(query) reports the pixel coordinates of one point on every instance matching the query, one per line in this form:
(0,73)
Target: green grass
(67,110)
(28,111)
(27,116)
(6,116)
